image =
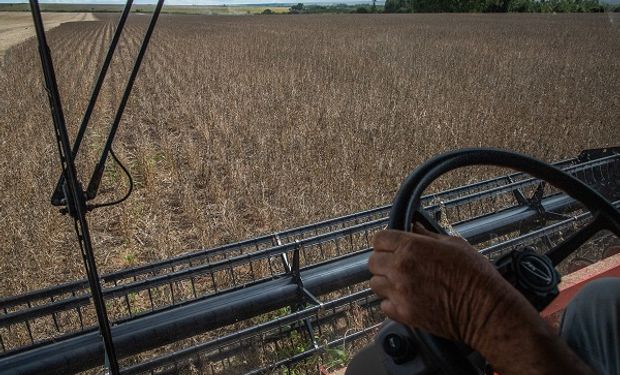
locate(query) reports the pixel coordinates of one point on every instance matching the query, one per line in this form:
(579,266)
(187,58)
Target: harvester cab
(215,310)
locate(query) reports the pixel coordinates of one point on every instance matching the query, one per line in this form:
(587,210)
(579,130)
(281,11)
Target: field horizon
(212,9)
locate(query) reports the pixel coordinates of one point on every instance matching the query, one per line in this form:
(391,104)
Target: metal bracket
(535,202)
(597,153)
(518,194)
(295,273)
(310,330)
(304,294)
(277,241)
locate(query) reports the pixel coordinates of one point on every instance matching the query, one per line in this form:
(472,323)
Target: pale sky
(197,2)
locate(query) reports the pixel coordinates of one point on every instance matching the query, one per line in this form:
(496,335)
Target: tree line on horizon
(461,6)
(531,6)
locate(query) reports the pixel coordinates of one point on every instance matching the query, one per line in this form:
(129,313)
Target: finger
(379,263)
(390,310)
(381,286)
(419,229)
(392,240)
(389,240)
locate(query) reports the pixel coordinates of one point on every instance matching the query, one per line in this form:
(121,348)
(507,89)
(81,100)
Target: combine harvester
(296,299)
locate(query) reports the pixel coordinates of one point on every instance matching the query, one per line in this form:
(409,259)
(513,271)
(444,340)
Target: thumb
(419,229)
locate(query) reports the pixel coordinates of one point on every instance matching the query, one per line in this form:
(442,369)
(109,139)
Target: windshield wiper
(69,192)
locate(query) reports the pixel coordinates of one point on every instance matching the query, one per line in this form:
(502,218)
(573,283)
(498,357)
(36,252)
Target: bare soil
(15,27)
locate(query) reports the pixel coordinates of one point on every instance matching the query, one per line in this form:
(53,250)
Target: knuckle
(401,288)
(406,264)
(373,282)
(372,263)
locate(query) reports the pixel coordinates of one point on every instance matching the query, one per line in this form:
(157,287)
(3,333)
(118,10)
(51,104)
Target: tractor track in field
(82,57)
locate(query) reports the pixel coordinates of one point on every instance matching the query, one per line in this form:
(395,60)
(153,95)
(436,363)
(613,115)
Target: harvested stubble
(244,125)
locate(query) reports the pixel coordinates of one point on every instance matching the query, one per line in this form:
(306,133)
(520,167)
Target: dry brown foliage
(244,125)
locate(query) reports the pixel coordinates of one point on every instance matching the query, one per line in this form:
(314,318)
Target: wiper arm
(58,196)
(75,202)
(95,180)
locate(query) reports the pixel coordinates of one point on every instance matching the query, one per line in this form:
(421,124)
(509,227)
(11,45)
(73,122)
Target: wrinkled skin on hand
(436,283)
(440,284)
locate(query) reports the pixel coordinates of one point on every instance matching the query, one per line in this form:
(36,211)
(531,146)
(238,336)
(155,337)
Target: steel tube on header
(82,352)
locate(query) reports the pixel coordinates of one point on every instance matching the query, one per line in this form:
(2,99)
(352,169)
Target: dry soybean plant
(245,125)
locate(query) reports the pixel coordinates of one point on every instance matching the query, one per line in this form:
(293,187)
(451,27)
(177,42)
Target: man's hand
(436,283)
(440,284)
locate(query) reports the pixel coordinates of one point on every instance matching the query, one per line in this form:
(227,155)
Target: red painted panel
(572,283)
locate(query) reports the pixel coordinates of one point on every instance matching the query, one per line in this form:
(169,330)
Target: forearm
(443,286)
(517,341)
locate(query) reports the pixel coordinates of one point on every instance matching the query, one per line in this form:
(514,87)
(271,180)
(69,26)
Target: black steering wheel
(454,358)
(406,207)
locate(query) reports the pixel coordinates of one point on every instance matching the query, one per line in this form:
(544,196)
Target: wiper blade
(95,180)
(58,197)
